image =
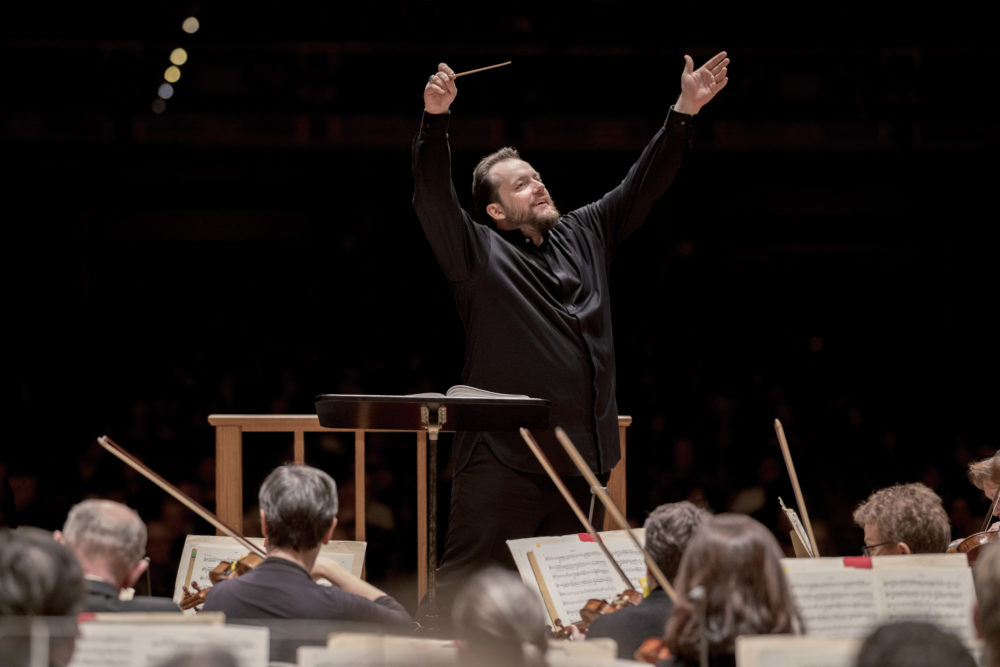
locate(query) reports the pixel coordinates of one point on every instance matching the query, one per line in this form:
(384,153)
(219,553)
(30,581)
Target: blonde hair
(986,469)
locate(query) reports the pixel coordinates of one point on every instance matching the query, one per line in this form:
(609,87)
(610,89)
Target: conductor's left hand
(699,86)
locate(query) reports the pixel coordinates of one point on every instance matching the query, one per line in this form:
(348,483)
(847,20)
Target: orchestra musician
(985,476)
(109,541)
(986,574)
(298,513)
(730,583)
(903,519)
(40,583)
(913,643)
(497,622)
(668,530)
(531,287)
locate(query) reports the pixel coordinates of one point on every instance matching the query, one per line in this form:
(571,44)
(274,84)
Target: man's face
(874,540)
(524,203)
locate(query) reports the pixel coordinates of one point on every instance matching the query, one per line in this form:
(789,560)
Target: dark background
(824,257)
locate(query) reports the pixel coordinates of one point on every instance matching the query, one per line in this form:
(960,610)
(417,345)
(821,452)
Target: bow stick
(613,510)
(140,467)
(528,438)
(795,484)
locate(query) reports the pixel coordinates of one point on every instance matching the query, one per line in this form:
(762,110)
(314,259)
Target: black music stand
(469,410)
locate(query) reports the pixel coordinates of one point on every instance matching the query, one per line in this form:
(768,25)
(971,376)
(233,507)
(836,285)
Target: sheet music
(577,572)
(147,645)
(795,651)
(839,601)
(941,595)
(836,602)
(378,651)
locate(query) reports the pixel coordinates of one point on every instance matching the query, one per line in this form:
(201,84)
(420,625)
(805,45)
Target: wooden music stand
(432,413)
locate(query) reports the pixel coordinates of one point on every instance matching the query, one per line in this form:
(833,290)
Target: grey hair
(669,528)
(500,620)
(299,503)
(106,530)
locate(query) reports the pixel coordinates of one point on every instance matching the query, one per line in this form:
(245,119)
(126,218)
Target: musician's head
(903,519)
(498,621)
(668,529)
(298,507)
(986,572)
(38,578)
(109,540)
(913,644)
(731,583)
(508,193)
(985,476)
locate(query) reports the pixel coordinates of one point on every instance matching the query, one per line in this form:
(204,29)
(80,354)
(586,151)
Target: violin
(594,609)
(225,569)
(195,596)
(971,545)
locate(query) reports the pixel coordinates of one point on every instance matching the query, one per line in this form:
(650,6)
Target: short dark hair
(736,561)
(913,644)
(669,528)
(484,188)
(910,513)
(299,504)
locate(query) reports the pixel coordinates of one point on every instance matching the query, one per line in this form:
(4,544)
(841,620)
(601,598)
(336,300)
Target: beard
(535,220)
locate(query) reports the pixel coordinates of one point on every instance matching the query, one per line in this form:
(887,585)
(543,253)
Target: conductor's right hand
(440,90)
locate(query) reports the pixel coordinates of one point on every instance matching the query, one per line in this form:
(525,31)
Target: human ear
(495,211)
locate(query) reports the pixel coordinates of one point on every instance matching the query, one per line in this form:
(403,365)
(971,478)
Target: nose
(538,186)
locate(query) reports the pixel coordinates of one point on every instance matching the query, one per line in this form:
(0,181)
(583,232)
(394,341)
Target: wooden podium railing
(229,430)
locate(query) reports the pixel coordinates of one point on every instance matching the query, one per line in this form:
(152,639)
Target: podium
(475,410)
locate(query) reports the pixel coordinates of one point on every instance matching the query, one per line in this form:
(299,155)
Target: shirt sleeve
(459,243)
(384,611)
(620,212)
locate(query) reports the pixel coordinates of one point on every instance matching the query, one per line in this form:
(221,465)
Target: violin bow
(540,455)
(783,443)
(993,508)
(613,510)
(144,470)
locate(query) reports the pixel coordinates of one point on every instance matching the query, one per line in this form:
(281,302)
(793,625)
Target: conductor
(531,287)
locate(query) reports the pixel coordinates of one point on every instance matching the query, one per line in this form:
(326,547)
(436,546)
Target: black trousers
(492,503)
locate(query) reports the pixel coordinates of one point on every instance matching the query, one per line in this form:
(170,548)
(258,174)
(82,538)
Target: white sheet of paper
(578,571)
(148,645)
(795,651)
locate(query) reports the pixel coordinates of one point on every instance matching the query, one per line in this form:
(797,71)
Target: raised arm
(624,208)
(458,243)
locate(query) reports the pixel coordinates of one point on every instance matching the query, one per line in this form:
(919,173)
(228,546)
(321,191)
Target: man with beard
(531,286)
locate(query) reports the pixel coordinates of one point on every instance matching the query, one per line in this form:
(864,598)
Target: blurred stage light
(178,56)
(159,106)
(166,91)
(190,25)
(172,74)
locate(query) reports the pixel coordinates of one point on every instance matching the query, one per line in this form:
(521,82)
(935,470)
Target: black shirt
(279,588)
(538,318)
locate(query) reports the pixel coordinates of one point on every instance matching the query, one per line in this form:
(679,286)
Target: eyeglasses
(866,549)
